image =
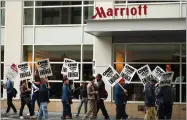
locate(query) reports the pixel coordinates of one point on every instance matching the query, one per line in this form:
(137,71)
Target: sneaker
(76,116)
(28,114)
(129,117)
(6,113)
(33,117)
(21,117)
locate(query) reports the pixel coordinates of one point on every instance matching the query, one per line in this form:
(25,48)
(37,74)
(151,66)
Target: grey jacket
(91,92)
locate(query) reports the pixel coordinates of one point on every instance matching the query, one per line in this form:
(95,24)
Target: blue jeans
(43,112)
(66,109)
(34,98)
(85,101)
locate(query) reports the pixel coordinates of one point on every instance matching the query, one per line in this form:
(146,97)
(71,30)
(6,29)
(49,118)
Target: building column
(103,58)
(13,38)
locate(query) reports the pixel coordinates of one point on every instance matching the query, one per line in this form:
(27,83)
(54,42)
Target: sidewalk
(52,116)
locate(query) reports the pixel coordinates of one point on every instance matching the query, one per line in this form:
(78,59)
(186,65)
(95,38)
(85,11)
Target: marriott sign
(139,10)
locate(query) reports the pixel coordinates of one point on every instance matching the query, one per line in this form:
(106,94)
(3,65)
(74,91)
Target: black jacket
(165,95)
(44,93)
(150,95)
(100,87)
(83,91)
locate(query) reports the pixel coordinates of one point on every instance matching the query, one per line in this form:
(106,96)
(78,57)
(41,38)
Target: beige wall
(132,109)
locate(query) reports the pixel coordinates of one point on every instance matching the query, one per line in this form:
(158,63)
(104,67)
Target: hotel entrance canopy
(125,27)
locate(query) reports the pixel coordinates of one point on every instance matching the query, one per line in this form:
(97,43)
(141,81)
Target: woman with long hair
(25,94)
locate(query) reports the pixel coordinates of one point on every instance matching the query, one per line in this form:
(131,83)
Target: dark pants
(165,111)
(66,110)
(120,111)
(23,105)
(10,104)
(101,105)
(34,99)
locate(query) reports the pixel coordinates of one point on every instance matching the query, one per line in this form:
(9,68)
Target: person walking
(83,98)
(92,100)
(100,86)
(165,96)
(25,99)
(120,100)
(66,96)
(150,99)
(9,85)
(44,99)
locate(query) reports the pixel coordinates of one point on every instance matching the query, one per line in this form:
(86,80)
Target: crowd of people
(158,100)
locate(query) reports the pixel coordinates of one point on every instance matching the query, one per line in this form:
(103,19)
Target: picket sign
(128,73)
(73,70)
(64,67)
(112,77)
(166,79)
(24,71)
(144,74)
(44,68)
(157,73)
(12,72)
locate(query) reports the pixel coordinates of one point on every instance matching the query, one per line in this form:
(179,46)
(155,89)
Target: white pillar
(13,37)
(103,57)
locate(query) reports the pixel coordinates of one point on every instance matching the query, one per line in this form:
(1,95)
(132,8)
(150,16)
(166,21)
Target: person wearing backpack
(150,98)
(83,97)
(102,94)
(10,94)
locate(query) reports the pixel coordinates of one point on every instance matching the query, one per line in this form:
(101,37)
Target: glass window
(88,2)
(88,13)
(57,3)
(28,16)
(2,3)
(184,53)
(67,15)
(27,53)
(119,67)
(28,3)
(184,93)
(2,17)
(87,53)
(56,90)
(57,53)
(153,53)
(184,73)
(2,71)
(119,53)
(2,53)
(87,72)
(135,93)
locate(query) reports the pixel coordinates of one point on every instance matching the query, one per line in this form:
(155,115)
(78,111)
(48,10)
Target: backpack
(105,94)
(14,91)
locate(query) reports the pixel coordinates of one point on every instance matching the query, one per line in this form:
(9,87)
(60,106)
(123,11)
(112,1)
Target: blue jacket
(119,94)
(150,95)
(9,86)
(66,93)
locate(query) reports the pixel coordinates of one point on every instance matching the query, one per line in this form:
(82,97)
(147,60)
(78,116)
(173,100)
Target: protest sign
(111,76)
(93,67)
(73,70)
(157,73)
(144,74)
(64,67)
(44,68)
(128,72)
(166,79)
(24,71)
(12,72)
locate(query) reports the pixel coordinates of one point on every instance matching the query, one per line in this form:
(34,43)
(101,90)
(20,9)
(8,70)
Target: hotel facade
(110,32)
